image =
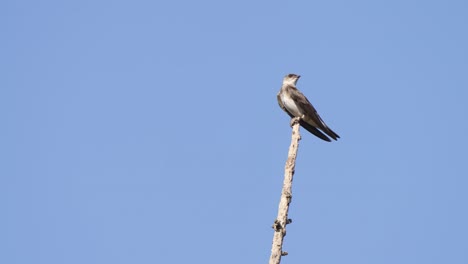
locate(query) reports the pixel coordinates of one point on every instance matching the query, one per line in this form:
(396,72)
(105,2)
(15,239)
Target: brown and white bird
(295,104)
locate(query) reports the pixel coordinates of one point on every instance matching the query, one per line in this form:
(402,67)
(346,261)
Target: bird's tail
(313,130)
(331,133)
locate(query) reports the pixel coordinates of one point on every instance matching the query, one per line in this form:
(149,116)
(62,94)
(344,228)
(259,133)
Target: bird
(295,104)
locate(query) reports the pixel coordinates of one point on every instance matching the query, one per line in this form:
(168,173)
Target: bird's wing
(312,115)
(313,130)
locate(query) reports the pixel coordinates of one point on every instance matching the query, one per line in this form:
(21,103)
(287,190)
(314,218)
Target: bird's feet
(294,120)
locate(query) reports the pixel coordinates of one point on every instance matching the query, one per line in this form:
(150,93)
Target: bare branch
(286,195)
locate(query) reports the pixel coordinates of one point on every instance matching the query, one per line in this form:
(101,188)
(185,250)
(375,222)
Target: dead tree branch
(286,195)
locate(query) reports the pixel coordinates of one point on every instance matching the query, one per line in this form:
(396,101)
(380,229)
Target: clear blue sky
(149,132)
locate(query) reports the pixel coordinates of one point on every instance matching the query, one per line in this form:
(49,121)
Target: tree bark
(286,195)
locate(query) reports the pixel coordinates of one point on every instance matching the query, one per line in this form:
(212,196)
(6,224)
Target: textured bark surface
(286,195)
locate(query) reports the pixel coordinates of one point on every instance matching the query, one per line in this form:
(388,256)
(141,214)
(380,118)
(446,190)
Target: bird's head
(291,79)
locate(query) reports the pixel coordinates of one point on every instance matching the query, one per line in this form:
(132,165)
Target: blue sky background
(149,132)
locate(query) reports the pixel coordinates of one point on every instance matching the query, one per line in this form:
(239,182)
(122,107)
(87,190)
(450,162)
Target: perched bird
(295,104)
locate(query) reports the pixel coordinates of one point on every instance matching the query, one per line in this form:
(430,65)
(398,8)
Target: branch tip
(294,120)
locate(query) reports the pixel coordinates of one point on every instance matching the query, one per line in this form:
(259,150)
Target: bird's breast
(290,105)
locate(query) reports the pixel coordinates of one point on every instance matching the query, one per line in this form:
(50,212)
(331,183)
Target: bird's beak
(298,76)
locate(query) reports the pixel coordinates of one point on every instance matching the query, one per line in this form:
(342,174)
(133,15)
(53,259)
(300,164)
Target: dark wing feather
(304,103)
(313,130)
